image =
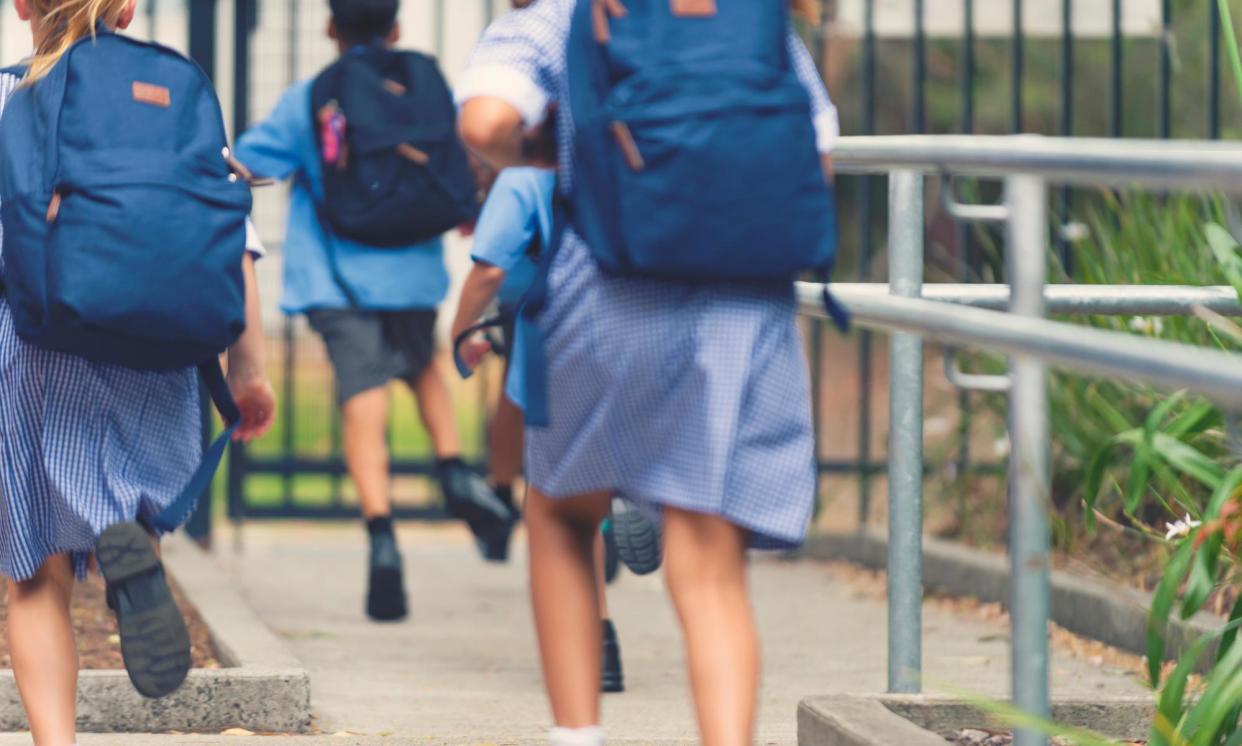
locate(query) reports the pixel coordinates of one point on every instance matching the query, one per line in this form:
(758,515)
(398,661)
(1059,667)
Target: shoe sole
(155,643)
(494,547)
(386,584)
(474,513)
(638,540)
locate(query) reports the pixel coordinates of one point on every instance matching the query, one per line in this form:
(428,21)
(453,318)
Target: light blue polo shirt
(284,146)
(517,212)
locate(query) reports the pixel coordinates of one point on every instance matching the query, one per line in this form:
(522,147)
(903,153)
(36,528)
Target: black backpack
(394,171)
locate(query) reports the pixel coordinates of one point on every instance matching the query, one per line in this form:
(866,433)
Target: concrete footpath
(463,669)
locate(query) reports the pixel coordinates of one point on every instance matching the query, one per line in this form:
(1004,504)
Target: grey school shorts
(370,348)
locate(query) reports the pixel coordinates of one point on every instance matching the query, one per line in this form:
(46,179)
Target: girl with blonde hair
(89,449)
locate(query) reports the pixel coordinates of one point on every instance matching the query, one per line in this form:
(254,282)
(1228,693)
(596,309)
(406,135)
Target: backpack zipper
(53,208)
(629,149)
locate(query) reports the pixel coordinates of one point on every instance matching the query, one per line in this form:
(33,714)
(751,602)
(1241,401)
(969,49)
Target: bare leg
(601,583)
(705,566)
(45,656)
(435,408)
(504,443)
(365,425)
(566,601)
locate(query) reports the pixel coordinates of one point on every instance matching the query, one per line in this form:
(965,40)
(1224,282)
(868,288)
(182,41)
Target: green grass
(311,430)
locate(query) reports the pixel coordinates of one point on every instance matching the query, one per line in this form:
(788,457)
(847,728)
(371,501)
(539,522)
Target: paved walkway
(463,669)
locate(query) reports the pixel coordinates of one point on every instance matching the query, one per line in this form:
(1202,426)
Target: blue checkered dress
(83,445)
(669,394)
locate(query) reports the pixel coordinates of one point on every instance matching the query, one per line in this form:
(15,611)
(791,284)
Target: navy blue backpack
(124,223)
(694,150)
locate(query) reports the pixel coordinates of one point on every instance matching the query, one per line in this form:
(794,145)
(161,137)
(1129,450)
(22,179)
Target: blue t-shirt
(518,212)
(284,146)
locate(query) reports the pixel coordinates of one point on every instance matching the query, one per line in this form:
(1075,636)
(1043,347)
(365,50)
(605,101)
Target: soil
(980,737)
(873,584)
(99,646)
(1113,552)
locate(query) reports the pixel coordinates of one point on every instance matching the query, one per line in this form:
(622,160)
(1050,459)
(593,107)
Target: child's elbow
(488,126)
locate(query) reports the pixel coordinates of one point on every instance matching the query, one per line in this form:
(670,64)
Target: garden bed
(99,647)
(244,676)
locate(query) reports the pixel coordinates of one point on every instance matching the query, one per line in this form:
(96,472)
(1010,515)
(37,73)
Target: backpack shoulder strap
(179,509)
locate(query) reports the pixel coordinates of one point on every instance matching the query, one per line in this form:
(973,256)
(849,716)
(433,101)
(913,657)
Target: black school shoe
(494,541)
(155,643)
(386,589)
(612,679)
(468,497)
(639,538)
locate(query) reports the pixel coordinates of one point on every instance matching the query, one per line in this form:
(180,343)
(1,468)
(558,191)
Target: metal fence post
(1029,463)
(202,47)
(905,441)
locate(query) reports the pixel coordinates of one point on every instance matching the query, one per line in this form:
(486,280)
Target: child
(87,450)
(690,398)
(384,332)
(510,233)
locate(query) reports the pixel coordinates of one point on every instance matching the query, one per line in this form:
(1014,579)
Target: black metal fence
(1149,68)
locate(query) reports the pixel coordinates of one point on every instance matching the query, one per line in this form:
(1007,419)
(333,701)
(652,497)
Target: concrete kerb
(1085,606)
(850,720)
(261,686)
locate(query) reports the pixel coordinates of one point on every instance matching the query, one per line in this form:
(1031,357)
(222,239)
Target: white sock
(589,736)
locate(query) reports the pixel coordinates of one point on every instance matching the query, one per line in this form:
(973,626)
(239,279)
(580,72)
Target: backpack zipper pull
(601,11)
(239,169)
(629,148)
(53,208)
(411,153)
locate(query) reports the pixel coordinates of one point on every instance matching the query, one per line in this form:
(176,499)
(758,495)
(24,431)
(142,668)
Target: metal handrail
(1084,349)
(1102,300)
(1086,161)
(1027,165)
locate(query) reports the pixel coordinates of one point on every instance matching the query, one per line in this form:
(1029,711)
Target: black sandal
(155,643)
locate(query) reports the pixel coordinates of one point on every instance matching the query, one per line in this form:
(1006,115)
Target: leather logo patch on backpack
(155,95)
(694,8)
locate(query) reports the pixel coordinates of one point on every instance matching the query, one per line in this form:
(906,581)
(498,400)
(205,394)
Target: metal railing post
(905,441)
(1029,463)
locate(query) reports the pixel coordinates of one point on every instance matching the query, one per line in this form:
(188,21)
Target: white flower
(1180,529)
(1075,231)
(1151,326)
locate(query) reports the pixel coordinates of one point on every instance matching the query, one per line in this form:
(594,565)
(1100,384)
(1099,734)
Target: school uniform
(668,393)
(512,230)
(85,445)
(388,331)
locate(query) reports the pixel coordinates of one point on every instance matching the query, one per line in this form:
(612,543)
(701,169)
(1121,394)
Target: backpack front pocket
(149,261)
(734,192)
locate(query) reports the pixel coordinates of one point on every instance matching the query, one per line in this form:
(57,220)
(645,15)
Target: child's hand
(257,402)
(474,351)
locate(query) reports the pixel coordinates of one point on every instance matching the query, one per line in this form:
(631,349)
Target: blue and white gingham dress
(83,445)
(669,394)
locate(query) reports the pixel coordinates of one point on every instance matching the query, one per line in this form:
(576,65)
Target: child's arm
(273,148)
(247,375)
(482,285)
(494,130)
(509,82)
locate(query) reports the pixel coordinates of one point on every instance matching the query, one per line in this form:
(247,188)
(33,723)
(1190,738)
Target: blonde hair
(808,9)
(64,23)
